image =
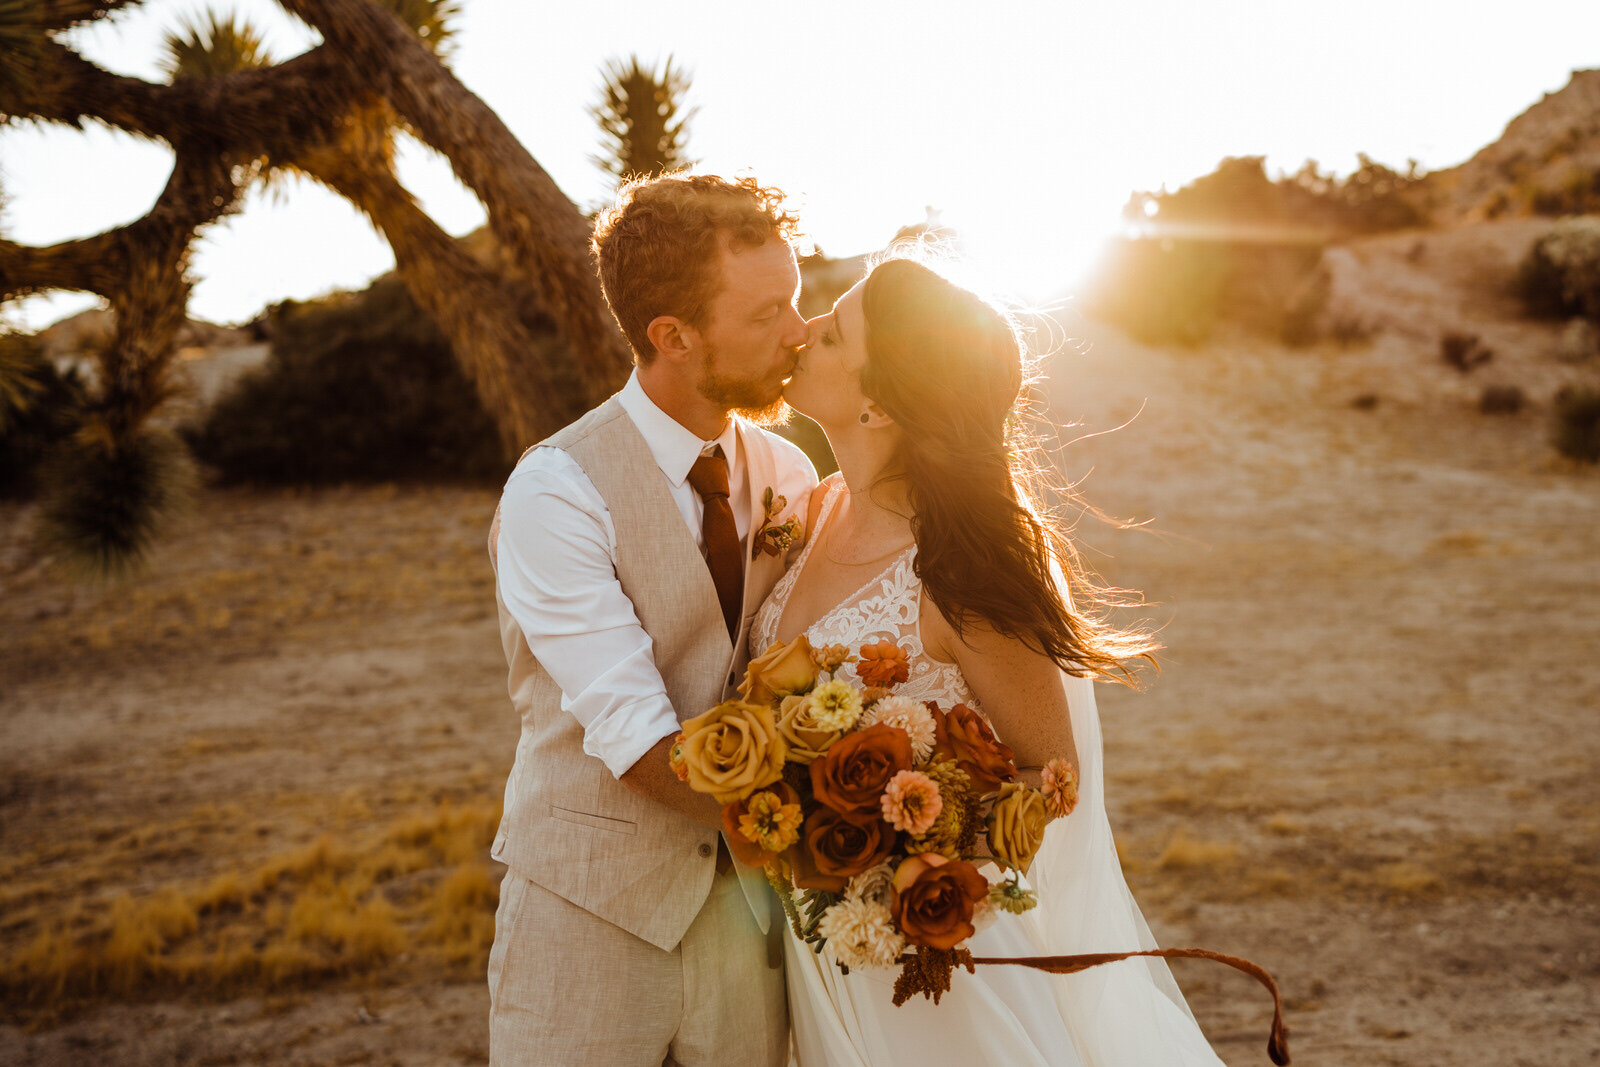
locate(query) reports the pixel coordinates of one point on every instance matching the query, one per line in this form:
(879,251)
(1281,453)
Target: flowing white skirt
(995,1017)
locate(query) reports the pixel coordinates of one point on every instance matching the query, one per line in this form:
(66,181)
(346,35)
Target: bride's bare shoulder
(831,484)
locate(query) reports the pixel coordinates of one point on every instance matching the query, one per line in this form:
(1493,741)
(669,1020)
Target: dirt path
(1369,763)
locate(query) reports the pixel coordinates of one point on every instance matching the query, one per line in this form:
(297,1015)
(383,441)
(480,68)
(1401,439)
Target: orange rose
(1016,824)
(850,777)
(883,663)
(832,850)
(764,825)
(963,735)
(934,898)
(675,758)
(780,671)
(732,750)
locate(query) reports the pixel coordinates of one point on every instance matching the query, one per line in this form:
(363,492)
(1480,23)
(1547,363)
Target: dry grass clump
(422,889)
(1297,861)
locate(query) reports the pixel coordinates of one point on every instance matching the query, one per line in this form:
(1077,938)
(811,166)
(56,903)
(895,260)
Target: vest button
(705,850)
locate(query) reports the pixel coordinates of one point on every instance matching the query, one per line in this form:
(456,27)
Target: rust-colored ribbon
(1277,1041)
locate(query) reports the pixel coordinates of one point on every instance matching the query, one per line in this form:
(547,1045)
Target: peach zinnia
(1060,787)
(911,802)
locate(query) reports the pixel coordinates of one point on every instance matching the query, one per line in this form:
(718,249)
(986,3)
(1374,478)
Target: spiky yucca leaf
(212,45)
(20,384)
(433,20)
(644,127)
(105,507)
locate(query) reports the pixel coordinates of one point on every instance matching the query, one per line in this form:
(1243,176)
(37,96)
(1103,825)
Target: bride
(927,538)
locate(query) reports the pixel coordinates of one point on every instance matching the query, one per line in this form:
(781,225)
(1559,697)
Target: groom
(626,582)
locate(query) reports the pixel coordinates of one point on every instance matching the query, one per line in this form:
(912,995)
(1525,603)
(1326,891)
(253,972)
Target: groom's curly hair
(656,248)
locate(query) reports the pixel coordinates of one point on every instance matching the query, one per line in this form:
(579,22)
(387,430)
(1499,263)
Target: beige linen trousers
(617,940)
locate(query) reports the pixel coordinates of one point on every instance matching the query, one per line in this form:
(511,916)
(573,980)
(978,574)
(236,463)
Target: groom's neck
(681,401)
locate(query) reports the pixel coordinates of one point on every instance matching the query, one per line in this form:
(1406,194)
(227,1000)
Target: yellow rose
(780,671)
(733,750)
(1016,824)
(797,723)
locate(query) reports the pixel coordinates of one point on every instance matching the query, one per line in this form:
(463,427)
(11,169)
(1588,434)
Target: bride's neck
(877,505)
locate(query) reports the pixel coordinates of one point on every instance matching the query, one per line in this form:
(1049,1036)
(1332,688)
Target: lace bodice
(885,608)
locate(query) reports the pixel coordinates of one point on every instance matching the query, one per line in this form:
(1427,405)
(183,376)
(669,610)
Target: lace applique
(886,608)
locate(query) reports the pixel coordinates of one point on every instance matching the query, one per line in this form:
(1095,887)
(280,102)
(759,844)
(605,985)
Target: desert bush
(1576,417)
(1463,351)
(1238,245)
(359,387)
(40,407)
(1560,274)
(1501,399)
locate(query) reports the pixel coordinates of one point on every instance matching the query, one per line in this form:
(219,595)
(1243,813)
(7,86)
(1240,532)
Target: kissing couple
(644,553)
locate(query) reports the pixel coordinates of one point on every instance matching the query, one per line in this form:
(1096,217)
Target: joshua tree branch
(542,232)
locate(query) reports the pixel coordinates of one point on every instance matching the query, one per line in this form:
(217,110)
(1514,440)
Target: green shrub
(1576,416)
(1239,246)
(40,407)
(1560,275)
(359,387)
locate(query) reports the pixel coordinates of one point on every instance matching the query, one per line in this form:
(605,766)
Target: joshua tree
(644,128)
(231,116)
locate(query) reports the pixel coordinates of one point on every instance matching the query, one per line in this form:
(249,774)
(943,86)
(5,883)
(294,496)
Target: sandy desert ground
(1369,762)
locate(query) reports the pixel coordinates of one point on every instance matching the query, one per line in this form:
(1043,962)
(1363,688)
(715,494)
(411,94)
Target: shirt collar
(675,448)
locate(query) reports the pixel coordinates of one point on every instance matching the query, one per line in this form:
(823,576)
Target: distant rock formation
(1546,162)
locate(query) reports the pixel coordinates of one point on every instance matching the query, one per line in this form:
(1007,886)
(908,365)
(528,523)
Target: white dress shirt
(556,565)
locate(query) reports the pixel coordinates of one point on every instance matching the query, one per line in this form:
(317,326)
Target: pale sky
(1026,123)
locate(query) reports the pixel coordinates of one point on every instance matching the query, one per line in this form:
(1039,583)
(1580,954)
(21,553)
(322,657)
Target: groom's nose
(794,334)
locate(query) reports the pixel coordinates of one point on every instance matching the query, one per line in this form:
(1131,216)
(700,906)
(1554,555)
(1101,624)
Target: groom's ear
(667,334)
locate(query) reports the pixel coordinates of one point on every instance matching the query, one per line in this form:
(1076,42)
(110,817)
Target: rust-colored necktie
(724,553)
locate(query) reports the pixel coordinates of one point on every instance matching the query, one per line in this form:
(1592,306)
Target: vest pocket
(597,822)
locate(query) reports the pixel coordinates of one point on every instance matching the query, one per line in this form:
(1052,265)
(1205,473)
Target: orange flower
(934,898)
(733,750)
(851,775)
(764,825)
(831,657)
(883,663)
(911,802)
(675,757)
(778,672)
(963,735)
(1016,824)
(1060,787)
(832,850)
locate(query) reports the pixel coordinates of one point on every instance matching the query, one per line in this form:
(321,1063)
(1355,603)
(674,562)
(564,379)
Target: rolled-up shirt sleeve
(555,564)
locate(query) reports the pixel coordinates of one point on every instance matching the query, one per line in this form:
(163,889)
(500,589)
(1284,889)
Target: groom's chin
(774,414)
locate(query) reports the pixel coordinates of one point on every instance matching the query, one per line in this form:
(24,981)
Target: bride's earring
(865,418)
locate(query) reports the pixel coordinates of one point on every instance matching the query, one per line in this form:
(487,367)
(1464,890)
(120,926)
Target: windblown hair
(657,247)
(948,367)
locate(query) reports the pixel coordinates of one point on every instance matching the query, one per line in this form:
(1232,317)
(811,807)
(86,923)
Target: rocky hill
(1547,162)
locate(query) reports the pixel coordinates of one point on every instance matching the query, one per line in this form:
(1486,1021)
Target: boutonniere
(775,538)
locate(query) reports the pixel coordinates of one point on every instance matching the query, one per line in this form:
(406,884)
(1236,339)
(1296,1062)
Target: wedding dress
(1124,1014)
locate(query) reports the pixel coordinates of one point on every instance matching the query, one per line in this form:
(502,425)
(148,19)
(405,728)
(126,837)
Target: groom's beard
(756,400)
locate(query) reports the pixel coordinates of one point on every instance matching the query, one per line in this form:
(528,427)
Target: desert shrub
(1576,416)
(1560,274)
(40,407)
(1239,246)
(1463,351)
(359,387)
(1501,399)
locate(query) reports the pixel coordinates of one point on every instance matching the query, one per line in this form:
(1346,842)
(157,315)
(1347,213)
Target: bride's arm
(1022,691)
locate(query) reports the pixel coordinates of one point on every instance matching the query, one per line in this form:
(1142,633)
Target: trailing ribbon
(1277,1041)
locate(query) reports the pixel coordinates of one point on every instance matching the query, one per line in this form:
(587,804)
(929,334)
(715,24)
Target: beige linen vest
(568,824)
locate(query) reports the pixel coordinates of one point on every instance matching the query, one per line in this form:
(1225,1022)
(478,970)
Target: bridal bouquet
(866,808)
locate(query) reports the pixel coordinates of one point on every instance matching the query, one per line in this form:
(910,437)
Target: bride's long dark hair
(949,368)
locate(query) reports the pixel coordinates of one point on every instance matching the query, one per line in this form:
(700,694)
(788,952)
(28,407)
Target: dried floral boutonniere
(776,538)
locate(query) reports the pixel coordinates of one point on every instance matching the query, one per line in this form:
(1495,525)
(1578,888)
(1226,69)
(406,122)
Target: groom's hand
(652,777)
